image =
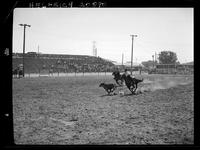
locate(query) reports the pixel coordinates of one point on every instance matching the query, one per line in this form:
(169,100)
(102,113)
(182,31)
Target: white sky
(72,31)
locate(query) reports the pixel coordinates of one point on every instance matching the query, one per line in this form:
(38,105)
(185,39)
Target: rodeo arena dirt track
(75,110)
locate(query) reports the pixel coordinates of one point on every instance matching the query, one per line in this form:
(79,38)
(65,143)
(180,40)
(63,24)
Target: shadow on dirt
(109,95)
(131,94)
(128,94)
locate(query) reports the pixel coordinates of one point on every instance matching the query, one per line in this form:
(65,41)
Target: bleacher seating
(62,63)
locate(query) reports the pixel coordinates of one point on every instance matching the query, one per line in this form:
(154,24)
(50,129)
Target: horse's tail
(137,80)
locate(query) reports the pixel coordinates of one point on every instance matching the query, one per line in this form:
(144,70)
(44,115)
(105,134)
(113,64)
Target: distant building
(185,68)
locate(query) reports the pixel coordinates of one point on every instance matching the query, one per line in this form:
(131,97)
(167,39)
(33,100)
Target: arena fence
(172,69)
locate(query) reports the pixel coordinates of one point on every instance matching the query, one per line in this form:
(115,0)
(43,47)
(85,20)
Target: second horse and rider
(130,81)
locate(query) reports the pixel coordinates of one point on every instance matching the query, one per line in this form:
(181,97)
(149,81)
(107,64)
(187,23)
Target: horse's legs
(121,83)
(112,91)
(135,87)
(108,91)
(18,75)
(131,89)
(117,81)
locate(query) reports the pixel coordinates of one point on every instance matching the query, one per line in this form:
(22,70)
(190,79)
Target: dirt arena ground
(75,110)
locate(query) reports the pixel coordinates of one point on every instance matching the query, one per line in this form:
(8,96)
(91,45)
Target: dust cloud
(156,84)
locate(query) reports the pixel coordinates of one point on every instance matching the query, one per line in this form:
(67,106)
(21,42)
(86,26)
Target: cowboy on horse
(117,76)
(130,81)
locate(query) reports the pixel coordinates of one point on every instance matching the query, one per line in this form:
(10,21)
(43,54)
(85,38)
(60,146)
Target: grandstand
(35,63)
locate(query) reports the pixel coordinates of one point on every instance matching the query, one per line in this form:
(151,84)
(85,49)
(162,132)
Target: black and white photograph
(103,76)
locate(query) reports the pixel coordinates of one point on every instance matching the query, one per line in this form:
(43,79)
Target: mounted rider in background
(116,73)
(117,76)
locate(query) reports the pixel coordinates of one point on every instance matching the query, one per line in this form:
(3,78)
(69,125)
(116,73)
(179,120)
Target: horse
(15,72)
(131,83)
(117,77)
(20,73)
(51,72)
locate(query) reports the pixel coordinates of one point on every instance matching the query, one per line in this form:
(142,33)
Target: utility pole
(24,25)
(122,59)
(132,53)
(38,57)
(38,50)
(153,60)
(94,49)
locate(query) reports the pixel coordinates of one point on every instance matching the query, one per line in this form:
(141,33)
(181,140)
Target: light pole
(132,53)
(122,59)
(24,25)
(153,60)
